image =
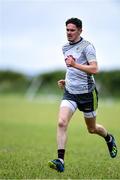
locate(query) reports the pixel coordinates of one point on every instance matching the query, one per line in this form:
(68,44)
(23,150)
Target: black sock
(61,153)
(107,138)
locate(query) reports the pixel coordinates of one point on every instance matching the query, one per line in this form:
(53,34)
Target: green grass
(28,141)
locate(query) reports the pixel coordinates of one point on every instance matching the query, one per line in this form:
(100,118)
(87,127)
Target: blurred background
(32,33)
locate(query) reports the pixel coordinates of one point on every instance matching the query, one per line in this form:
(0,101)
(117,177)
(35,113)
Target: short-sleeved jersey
(77,81)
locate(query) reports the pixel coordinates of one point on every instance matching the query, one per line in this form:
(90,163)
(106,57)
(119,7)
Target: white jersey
(77,81)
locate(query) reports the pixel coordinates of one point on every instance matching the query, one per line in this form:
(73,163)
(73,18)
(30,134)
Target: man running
(79,91)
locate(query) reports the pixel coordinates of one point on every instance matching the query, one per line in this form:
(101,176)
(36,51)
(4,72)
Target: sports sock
(61,153)
(108,138)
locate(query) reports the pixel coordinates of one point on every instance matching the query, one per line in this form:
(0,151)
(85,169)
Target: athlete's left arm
(91,68)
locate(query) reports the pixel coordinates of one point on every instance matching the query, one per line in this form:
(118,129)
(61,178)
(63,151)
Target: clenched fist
(70,61)
(61,83)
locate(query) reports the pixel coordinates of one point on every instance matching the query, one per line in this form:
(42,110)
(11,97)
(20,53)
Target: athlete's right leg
(67,108)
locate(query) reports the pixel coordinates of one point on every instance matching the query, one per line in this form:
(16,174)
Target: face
(73,33)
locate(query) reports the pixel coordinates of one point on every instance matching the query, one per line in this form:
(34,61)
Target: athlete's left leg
(95,128)
(98,129)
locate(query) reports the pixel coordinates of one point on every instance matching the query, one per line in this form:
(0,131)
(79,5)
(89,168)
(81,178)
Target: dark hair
(74,21)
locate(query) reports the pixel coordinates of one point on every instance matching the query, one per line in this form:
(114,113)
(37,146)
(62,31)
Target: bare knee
(62,123)
(65,115)
(91,125)
(92,130)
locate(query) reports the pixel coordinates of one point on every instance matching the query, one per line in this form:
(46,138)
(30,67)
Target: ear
(80,31)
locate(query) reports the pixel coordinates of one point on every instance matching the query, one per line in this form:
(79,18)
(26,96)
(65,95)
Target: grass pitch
(28,141)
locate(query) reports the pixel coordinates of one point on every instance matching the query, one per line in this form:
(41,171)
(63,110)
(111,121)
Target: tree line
(108,82)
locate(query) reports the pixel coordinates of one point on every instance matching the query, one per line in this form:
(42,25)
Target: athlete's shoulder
(89,47)
(65,47)
(85,43)
(88,44)
(90,52)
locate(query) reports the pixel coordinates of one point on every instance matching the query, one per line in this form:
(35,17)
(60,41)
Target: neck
(74,42)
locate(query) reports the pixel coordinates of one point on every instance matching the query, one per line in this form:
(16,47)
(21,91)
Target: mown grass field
(28,141)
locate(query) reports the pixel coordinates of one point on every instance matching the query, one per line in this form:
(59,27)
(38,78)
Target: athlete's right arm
(61,83)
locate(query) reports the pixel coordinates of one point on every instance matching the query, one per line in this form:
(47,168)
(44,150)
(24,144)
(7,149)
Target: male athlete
(79,91)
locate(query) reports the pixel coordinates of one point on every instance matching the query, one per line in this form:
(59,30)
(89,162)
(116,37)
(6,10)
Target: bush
(12,82)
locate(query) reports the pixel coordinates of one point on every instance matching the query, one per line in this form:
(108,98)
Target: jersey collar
(77,41)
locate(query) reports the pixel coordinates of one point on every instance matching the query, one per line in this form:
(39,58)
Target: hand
(61,83)
(70,61)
